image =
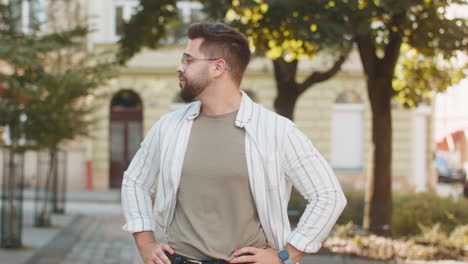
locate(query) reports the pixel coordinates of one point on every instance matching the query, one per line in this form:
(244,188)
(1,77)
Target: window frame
(127,11)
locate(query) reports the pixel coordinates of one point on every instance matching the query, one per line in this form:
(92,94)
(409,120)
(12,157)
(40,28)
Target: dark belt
(178,259)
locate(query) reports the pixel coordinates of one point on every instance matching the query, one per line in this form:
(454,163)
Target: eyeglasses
(186,59)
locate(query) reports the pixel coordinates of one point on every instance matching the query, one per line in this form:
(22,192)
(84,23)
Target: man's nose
(180,68)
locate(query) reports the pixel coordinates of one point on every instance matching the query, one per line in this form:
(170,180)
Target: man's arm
(316,182)
(139,182)
(150,250)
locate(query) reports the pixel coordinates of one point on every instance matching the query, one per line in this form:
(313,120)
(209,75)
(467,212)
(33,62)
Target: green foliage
(418,77)
(288,29)
(427,209)
(147,27)
(411,212)
(46,79)
(61,112)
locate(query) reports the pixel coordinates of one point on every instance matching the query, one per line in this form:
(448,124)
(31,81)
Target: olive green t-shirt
(215,213)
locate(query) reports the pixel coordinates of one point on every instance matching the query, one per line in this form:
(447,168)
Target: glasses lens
(185,59)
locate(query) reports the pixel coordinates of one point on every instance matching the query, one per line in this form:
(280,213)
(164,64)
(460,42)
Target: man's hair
(224,42)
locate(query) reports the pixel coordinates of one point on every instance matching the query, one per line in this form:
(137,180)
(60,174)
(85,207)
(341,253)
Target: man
(223,168)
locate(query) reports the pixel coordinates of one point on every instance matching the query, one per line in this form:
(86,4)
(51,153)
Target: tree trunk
(378,209)
(44,216)
(12,199)
(285,102)
(286,86)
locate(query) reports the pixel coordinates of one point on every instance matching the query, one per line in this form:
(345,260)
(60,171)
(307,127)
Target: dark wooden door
(125,138)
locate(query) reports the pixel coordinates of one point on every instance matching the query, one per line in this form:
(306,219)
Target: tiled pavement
(90,232)
(99,239)
(89,239)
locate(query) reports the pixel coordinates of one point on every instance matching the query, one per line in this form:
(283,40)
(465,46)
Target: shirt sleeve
(139,182)
(316,182)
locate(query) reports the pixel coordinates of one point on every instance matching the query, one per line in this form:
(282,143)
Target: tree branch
(392,52)
(317,77)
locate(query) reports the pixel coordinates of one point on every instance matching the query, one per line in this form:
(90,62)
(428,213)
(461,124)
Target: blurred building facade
(334,114)
(451,128)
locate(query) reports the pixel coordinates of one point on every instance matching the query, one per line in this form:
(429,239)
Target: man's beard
(194,87)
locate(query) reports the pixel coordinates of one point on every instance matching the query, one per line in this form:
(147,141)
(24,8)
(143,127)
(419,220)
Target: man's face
(194,75)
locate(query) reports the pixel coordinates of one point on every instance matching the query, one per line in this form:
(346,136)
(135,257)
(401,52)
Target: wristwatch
(284,257)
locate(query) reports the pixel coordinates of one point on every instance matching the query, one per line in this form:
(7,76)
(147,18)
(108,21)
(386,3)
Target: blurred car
(447,174)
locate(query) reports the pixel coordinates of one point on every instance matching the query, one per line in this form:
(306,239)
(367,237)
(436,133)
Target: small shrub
(427,209)
(354,210)
(409,211)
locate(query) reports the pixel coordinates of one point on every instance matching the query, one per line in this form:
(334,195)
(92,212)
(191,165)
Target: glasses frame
(187,59)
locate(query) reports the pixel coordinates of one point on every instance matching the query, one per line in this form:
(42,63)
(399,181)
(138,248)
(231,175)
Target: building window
(28,14)
(123,10)
(119,20)
(347,133)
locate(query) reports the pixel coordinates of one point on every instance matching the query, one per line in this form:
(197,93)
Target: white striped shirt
(278,157)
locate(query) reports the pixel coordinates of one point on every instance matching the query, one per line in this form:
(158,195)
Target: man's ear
(220,67)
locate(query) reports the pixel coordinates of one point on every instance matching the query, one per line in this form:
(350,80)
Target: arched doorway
(126,118)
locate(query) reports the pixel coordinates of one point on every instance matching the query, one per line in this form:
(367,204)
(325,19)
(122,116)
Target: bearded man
(223,168)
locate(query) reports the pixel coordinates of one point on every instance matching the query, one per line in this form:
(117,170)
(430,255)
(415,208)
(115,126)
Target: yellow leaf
(248,13)
(244,20)
(289,57)
(264,8)
(271,43)
(313,27)
(231,15)
(274,53)
(256,17)
(362,4)
(235,3)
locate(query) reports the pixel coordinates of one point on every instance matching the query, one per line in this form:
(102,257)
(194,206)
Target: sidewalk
(79,206)
(34,238)
(110,196)
(90,232)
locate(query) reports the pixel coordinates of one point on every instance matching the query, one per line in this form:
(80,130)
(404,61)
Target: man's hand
(259,256)
(154,253)
(266,256)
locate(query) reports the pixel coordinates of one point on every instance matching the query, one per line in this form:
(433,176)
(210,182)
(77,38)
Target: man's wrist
(294,254)
(144,238)
(284,257)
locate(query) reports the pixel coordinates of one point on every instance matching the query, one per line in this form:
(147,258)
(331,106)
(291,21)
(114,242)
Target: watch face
(283,254)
